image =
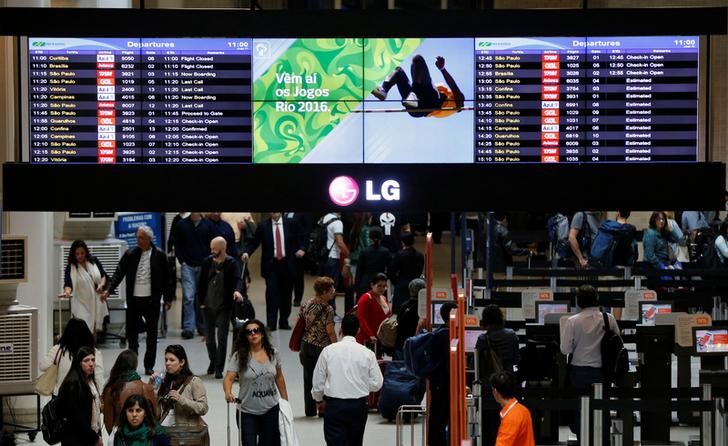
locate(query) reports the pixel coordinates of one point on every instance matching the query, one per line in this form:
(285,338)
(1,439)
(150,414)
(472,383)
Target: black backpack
(316,249)
(52,422)
(489,361)
(615,361)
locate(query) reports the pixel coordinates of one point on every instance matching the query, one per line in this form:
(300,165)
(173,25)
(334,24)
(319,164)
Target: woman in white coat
(85,278)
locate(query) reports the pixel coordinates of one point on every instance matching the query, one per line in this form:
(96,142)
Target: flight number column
(127,113)
(571,107)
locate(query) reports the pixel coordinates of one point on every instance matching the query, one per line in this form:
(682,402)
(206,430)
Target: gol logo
(343,191)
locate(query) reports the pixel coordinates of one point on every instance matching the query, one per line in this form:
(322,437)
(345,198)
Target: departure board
(571,100)
(353,100)
(140,101)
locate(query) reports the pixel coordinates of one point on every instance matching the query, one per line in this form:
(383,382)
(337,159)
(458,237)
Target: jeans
(333,270)
(190,277)
(260,430)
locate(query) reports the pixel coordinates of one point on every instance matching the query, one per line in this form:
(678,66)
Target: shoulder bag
(46,382)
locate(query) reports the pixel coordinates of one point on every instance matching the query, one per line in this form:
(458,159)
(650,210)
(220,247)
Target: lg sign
(344,191)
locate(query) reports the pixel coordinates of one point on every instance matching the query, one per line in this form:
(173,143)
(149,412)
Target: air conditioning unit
(18,350)
(13,268)
(88,225)
(109,253)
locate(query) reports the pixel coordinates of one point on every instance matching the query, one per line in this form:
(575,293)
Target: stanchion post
(706,423)
(585,428)
(598,422)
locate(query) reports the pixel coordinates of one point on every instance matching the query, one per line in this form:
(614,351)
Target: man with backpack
(615,243)
(335,247)
(583,231)
(582,339)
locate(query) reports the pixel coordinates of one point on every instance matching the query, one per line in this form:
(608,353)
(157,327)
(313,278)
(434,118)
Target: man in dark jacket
(374,259)
(282,243)
(147,279)
(438,418)
(505,249)
(191,244)
(407,264)
(407,315)
(220,285)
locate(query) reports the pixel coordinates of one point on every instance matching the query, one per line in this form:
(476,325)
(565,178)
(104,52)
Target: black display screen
(372,101)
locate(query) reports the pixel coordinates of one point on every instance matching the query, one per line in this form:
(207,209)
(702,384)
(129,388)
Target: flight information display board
(140,101)
(586,100)
(372,101)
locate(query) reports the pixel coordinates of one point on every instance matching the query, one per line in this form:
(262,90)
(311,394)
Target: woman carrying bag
(182,399)
(319,332)
(262,385)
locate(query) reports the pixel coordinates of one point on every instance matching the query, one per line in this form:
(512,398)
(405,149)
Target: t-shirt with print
(258,390)
(318,316)
(336,227)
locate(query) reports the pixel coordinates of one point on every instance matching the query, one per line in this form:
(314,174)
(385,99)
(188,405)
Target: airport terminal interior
(502,135)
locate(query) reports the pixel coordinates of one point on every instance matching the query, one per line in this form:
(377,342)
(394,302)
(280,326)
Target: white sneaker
(380,93)
(410,100)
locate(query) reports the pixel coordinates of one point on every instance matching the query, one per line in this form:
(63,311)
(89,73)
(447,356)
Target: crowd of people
(361,263)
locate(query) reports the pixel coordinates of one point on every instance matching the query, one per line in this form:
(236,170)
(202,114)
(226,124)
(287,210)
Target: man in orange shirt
(516,428)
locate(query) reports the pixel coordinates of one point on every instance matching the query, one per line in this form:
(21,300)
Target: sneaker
(410,100)
(380,93)
(186,334)
(211,369)
(218,375)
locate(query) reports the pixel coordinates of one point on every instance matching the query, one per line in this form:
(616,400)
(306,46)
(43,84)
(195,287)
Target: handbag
(188,435)
(297,335)
(46,382)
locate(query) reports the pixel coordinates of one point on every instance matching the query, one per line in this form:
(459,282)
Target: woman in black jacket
(80,402)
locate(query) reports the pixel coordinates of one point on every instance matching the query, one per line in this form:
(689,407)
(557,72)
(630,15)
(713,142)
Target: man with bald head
(219,287)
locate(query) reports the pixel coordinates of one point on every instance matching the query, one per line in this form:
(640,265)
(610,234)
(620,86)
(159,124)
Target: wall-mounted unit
(18,350)
(13,268)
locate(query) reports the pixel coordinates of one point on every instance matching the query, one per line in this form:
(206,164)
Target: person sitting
(137,426)
(656,243)
(124,382)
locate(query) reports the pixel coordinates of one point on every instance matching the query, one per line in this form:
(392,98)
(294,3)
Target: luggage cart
(410,412)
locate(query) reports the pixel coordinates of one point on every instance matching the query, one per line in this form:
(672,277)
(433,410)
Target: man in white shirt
(337,248)
(345,374)
(582,339)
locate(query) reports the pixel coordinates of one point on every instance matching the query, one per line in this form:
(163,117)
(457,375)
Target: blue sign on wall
(126,226)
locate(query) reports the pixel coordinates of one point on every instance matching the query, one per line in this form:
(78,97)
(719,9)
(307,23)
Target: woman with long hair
(319,333)
(262,385)
(83,283)
(137,425)
(75,335)
(656,242)
(123,382)
(79,400)
(182,395)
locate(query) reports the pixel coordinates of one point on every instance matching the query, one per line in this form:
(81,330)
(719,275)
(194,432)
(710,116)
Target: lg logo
(344,191)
